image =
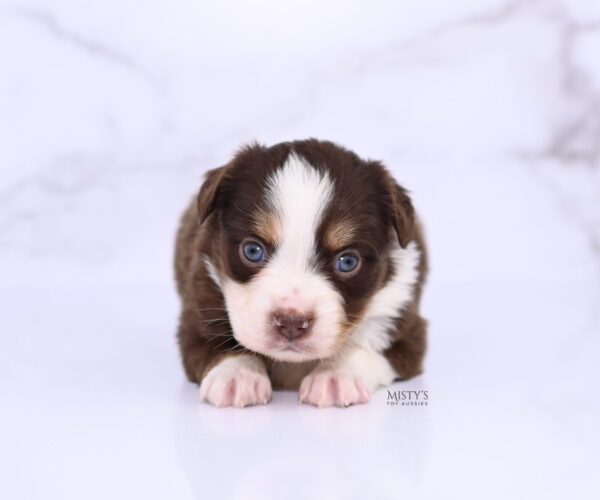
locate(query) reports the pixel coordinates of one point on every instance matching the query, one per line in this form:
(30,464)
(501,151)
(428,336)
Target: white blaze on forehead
(299,194)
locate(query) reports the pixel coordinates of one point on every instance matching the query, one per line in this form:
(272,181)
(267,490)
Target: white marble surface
(110,112)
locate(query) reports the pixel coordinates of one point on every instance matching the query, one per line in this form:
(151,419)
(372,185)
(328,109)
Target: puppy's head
(299,238)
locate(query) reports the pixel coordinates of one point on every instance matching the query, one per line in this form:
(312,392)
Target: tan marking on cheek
(345,332)
(266,225)
(347,327)
(339,234)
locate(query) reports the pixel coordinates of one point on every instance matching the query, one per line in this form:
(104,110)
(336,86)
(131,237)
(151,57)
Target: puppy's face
(300,240)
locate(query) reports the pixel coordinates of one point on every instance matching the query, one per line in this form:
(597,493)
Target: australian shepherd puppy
(299,266)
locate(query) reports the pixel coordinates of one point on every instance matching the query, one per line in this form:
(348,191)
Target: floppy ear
(209,192)
(401,211)
(403,216)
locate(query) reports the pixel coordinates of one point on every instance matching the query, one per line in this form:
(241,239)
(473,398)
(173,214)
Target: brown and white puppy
(299,266)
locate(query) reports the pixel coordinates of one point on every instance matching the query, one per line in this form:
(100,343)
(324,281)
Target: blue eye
(346,262)
(253,252)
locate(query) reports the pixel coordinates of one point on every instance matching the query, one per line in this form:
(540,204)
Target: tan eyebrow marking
(339,234)
(266,225)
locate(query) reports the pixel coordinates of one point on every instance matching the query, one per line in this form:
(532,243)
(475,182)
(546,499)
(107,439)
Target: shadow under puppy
(299,266)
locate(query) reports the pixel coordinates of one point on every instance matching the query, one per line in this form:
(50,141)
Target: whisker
(212,309)
(239,348)
(220,335)
(224,342)
(213,320)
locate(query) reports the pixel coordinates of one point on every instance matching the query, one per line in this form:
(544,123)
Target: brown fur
(371,205)
(266,226)
(339,235)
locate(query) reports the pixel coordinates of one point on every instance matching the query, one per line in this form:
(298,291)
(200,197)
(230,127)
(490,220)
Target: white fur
(387,304)
(239,380)
(349,378)
(212,272)
(299,194)
(359,368)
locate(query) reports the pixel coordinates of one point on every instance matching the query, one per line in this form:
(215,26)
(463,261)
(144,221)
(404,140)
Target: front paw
(237,381)
(330,388)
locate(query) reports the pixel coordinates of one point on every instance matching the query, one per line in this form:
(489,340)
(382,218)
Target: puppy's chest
(288,376)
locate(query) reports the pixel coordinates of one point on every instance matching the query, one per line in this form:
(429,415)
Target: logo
(407,398)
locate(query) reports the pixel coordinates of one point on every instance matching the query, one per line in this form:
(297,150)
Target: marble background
(110,112)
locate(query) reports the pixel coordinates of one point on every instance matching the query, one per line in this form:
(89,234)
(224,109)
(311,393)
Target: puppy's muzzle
(291,325)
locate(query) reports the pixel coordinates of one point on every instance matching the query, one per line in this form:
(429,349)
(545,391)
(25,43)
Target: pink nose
(291,324)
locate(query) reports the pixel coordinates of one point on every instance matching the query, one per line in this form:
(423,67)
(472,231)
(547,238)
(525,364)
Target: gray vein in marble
(97,49)
(497,15)
(389,57)
(577,139)
(570,209)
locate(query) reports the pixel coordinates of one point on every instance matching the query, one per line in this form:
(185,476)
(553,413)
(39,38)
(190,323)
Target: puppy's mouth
(291,348)
(297,350)
(285,350)
(292,354)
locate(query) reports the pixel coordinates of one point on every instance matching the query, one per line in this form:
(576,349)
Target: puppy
(299,266)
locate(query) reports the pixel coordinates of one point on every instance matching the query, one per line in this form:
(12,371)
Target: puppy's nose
(291,325)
